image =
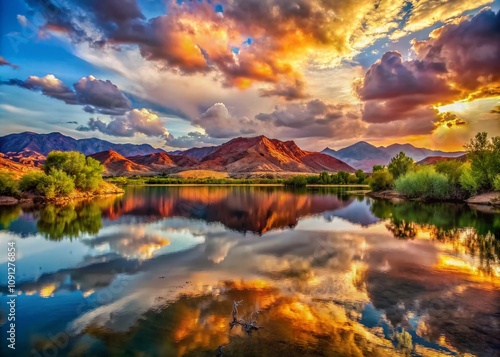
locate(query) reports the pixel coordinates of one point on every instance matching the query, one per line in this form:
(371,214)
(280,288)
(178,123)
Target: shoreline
(31,199)
(483,199)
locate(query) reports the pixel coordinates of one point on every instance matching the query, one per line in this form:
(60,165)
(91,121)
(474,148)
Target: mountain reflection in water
(156,271)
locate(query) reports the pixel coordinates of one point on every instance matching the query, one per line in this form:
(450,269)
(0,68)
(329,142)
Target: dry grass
(200,174)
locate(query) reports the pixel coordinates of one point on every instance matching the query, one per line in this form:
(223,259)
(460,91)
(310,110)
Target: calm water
(323,272)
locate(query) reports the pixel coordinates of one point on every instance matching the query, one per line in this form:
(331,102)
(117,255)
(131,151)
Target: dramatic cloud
(469,50)
(4,62)
(103,95)
(49,86)
(424,13)
(96,95)
(458,61)
(237,41)
(133,122)
(315,119)
(219,123)
(495,110)
(449,119)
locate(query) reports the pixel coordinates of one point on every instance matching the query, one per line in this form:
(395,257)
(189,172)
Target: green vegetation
(496,183)
(381,180)
(8,185)
(85,172)
(63,173)
(446,180)
(425,183)
(296,181)
(324,178)
(484,157)
(400,165)
(57,183)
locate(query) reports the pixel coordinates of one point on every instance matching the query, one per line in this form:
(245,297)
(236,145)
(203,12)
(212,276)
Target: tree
(360,176)
(381,180)
(296,181)
(378,168)
(400,165)
(484,156)
(340,178)
(86,172)
(324,178)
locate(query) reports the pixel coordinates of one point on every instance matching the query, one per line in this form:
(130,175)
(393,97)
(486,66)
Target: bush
(484,155)
(86,172)
(496,183)
(58,183)
(425,183)
(360,176)
(469,180)
(8,185)
(340,178)
(452,169)
(296,181)
(381,180)
(31,180)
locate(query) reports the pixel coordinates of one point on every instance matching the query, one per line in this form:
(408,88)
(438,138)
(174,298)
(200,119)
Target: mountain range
(45,143)
(363,155)
(238,156)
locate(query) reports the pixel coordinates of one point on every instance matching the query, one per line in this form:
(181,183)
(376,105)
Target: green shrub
(30,181)
(360,176)
(469,180)
(86,172)
(484,155)
(378,168)
(340,178)
(425,183)
(62,182)
(381,180)
(452,169)
(496,183)
(57,183)
(8,185)
(296,181)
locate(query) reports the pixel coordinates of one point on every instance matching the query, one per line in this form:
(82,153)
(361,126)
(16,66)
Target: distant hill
(199,153)
(364,156)
(417,153)
(45,143)
(17,169)
(26,157)
(116,164)
(431,160)
(361,155)
(260,154)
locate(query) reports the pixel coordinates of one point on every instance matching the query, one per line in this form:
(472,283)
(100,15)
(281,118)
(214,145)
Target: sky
(181,74)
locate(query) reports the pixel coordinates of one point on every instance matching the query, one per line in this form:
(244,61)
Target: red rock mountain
(162,161)
(260,154)
(431,160)
(116,164)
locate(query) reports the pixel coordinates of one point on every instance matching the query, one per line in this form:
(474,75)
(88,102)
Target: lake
(314,272)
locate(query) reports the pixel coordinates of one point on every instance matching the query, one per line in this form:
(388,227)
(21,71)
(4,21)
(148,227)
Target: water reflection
(156,272)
